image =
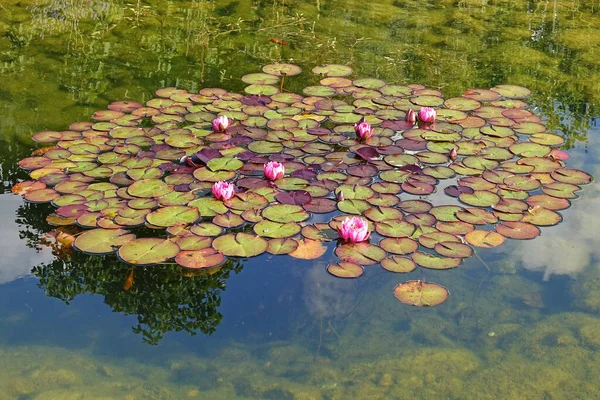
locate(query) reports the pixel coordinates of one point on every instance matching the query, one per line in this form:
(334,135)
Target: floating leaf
(430,261)
(403,245)
(518,230)
(285,213)
(362,253)
(308,249)
(240,245)
(147,251)
(196,259)
(332,70)
(421,294)
(398,264)
(486,239)
(282,246)
(345,270)
(173,215)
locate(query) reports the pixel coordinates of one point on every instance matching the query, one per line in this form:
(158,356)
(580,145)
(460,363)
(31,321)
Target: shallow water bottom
(554,358)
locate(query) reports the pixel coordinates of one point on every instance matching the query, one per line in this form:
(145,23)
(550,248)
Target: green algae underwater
(525,329)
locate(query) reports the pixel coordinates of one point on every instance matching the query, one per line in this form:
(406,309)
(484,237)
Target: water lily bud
(453,154)
(220,123)
(363,130)
(411,116)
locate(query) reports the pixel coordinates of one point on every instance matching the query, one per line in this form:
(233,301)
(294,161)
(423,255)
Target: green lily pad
(194,242)
(430,261)
(362,253)
(572,176)
(353,206)
(395,229)
(240,245)
(282,69)
(276,229)
(453,249)
(403,245)
(421,294)
(285,213)
(479,198)
(228,220)
(345,270)
(378,214)
(224,164)
(173,215)
(102,241)
(398,264)
(149,188)
(282,246)
(208,206)
(541,217)
(147,251)
(319,231)
(332,70)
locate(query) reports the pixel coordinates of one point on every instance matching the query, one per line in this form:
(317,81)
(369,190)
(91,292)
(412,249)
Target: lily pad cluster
(122,171)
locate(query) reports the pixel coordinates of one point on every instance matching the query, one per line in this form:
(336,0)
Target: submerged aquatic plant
(119,172)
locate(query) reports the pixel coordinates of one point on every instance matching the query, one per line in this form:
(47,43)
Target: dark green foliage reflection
(163,297)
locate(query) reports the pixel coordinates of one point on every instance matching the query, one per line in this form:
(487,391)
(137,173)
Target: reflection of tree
(165,298)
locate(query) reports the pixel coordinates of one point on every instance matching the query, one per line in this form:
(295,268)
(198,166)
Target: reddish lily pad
(486,239)
(197,259)
(517,230)
(308,249)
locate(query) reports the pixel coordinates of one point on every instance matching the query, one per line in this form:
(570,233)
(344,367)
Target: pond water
(522,319)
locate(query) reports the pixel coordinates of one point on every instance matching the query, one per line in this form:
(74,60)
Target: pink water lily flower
(223,190)
(363,130)
(220,123)
(274,170)
(427,114)
(354,230)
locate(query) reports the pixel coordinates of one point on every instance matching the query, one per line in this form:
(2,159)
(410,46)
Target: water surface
(267,329)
